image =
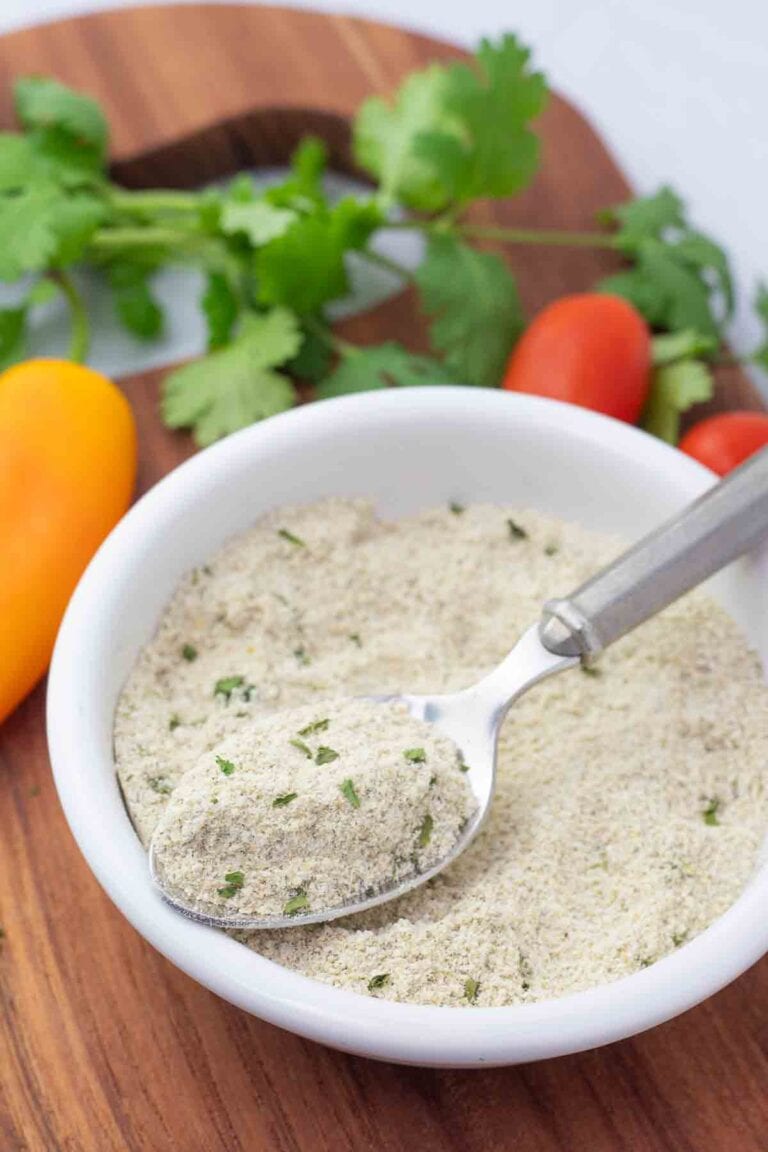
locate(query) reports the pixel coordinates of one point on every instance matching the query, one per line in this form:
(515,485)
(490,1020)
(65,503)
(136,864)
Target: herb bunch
(274,259)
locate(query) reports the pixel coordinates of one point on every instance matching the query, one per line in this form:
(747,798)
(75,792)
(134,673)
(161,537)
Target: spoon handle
(728,520)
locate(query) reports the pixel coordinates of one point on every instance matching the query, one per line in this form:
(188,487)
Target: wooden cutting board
(103,1044)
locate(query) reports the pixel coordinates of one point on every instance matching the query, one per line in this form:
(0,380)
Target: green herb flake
(379,981)
(591,670)
(325,755)
(355,638)
(291,538)
(160,785)
(234,882)
(516,531)
(645,961)
(679,938)
(302,747)
(464,767)
(190,653)
(302,657)
(551,550)
(297,903)
(710,812)
(347,788)
(226,766)
(315,726)
(425,832)
(415,755)
(284,800)
(227,685)
(174,723)
(456,508)
(471,989)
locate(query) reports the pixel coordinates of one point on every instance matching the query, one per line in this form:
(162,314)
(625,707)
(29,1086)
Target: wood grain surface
(103,1044)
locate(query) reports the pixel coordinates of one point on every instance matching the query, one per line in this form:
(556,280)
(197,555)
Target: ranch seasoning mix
(631,801)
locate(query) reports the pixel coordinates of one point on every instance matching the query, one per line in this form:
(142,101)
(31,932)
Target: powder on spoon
(310,809)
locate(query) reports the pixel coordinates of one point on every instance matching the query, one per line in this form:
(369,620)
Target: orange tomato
(67,470)
(725,441)
(589,349)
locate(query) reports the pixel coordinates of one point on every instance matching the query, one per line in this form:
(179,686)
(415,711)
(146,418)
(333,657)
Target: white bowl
(404,449)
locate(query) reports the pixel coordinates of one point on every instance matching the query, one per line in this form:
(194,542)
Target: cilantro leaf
(220,308)
(474,300)
(17,162)
(27,231)
(646,216)
(387,141)
(314,357)
(13,326)
(674,389)
(455,132)
(135,306)
(667,293)
(42,102)
(304,267)
(493,97)
(69,162)
(42,227)
(236,385)
(303,188)
(258,220)
(75,221)
(680,278)
(367,369)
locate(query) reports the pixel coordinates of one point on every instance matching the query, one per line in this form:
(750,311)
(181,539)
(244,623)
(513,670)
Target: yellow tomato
(67,470)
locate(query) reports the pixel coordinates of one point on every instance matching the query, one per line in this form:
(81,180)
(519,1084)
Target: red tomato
(725,441)
(590,349)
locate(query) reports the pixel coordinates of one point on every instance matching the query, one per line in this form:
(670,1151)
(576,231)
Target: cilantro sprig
(273,259)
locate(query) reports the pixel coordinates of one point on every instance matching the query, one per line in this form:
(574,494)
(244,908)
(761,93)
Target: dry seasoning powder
(310,809)
(631,804)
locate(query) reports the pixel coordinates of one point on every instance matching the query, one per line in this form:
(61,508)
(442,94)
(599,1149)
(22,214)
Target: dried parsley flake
(326,755)
(284,800)
(297,903)
(227,685)
(291,538)
(347,788)
(425,832)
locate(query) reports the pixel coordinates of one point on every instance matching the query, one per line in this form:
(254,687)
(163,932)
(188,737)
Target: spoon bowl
(472,719)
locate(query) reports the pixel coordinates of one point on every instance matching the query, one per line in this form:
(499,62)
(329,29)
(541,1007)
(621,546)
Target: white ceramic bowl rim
(402,1032)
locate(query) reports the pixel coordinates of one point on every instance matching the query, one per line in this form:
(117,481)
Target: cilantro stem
(543,236)
(329,338)
(109,240)
(152,200)
(387,264)
(80,337)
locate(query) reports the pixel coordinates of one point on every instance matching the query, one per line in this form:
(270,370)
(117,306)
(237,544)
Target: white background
(679,88)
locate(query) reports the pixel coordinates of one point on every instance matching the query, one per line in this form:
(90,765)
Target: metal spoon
(727,521)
